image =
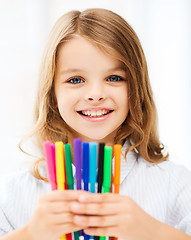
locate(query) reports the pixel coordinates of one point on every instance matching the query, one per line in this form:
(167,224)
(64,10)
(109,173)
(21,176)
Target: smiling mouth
(94,113)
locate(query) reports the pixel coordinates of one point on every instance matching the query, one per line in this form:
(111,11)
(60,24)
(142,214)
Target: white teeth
(99,113)
(88,113)
(95,113)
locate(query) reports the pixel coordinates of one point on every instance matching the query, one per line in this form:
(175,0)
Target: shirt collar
(127,163)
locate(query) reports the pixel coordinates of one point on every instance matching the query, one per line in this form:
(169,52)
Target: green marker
(107,173)
(107,169)
(69,173)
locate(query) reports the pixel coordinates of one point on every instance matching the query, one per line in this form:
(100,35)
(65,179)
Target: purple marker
(78,161)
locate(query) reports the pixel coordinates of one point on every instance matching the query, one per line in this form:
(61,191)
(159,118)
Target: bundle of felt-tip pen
(93,162)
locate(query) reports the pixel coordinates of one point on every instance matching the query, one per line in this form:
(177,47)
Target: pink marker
(49,153)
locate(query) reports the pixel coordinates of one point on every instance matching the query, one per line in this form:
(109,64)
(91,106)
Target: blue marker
(85,163)
(85,171)
(92,165)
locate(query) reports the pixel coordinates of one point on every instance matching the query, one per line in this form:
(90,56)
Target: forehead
(78,50)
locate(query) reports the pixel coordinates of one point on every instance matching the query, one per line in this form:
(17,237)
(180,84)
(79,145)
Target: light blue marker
(92,168)
(92,165)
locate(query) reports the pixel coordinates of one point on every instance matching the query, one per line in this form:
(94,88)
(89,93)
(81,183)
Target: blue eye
(75,80)
(114,78)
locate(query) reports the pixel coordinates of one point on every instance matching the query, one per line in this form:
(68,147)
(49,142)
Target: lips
(95,113)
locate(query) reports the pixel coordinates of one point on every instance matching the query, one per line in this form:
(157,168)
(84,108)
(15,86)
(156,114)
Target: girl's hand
(52,217)
(113,215)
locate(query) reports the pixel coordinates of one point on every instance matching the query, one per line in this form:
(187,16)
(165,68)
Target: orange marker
(117,168)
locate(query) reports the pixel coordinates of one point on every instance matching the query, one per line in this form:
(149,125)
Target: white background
(164,29)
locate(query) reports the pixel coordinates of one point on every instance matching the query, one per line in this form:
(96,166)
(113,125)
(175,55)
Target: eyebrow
(119,68)
(74,70)
(71,70)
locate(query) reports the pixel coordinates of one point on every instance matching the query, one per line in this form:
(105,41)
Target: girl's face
(91,91)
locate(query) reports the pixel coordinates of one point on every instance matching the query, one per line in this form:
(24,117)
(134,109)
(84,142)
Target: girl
(94,85)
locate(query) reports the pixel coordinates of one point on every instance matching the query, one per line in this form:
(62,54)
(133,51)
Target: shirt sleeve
(180,199)
(5,224)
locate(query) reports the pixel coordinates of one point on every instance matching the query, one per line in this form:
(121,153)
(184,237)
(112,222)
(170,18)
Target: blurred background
(164,29)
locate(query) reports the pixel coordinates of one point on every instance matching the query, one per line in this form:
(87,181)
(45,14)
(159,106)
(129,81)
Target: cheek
(64,103)
(124,104)
(67,104)
(126,101)
(122,98)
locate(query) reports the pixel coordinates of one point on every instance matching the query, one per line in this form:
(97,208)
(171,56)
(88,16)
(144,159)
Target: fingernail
(74,206)
(77,219)
(82,198)
(87,231)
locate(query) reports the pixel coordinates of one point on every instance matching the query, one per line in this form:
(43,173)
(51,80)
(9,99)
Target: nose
(95,98)
(95,93)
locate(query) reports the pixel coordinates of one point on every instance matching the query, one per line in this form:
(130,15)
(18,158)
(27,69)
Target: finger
(53,207)
(101,231)
(86,197)
(67,228)
(95,221)
(59,207)
(96,208)
(63,218)
(61,195)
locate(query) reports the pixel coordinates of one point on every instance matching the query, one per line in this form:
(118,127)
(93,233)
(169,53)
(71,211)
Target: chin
(107,138)
(95,136)
(93,139)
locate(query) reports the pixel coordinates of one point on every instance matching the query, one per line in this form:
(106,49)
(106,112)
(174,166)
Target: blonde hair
(112,34)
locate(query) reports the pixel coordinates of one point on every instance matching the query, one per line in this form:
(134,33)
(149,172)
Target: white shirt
(163,190)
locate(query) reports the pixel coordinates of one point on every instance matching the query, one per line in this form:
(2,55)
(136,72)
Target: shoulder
(19,180)
(172,177)
(179,197)
(179,180)
(173,170)
(172,181)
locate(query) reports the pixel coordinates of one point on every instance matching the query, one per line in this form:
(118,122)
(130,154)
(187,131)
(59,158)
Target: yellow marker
(60,172)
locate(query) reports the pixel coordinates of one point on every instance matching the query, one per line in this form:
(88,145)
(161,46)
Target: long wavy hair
(113,35)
